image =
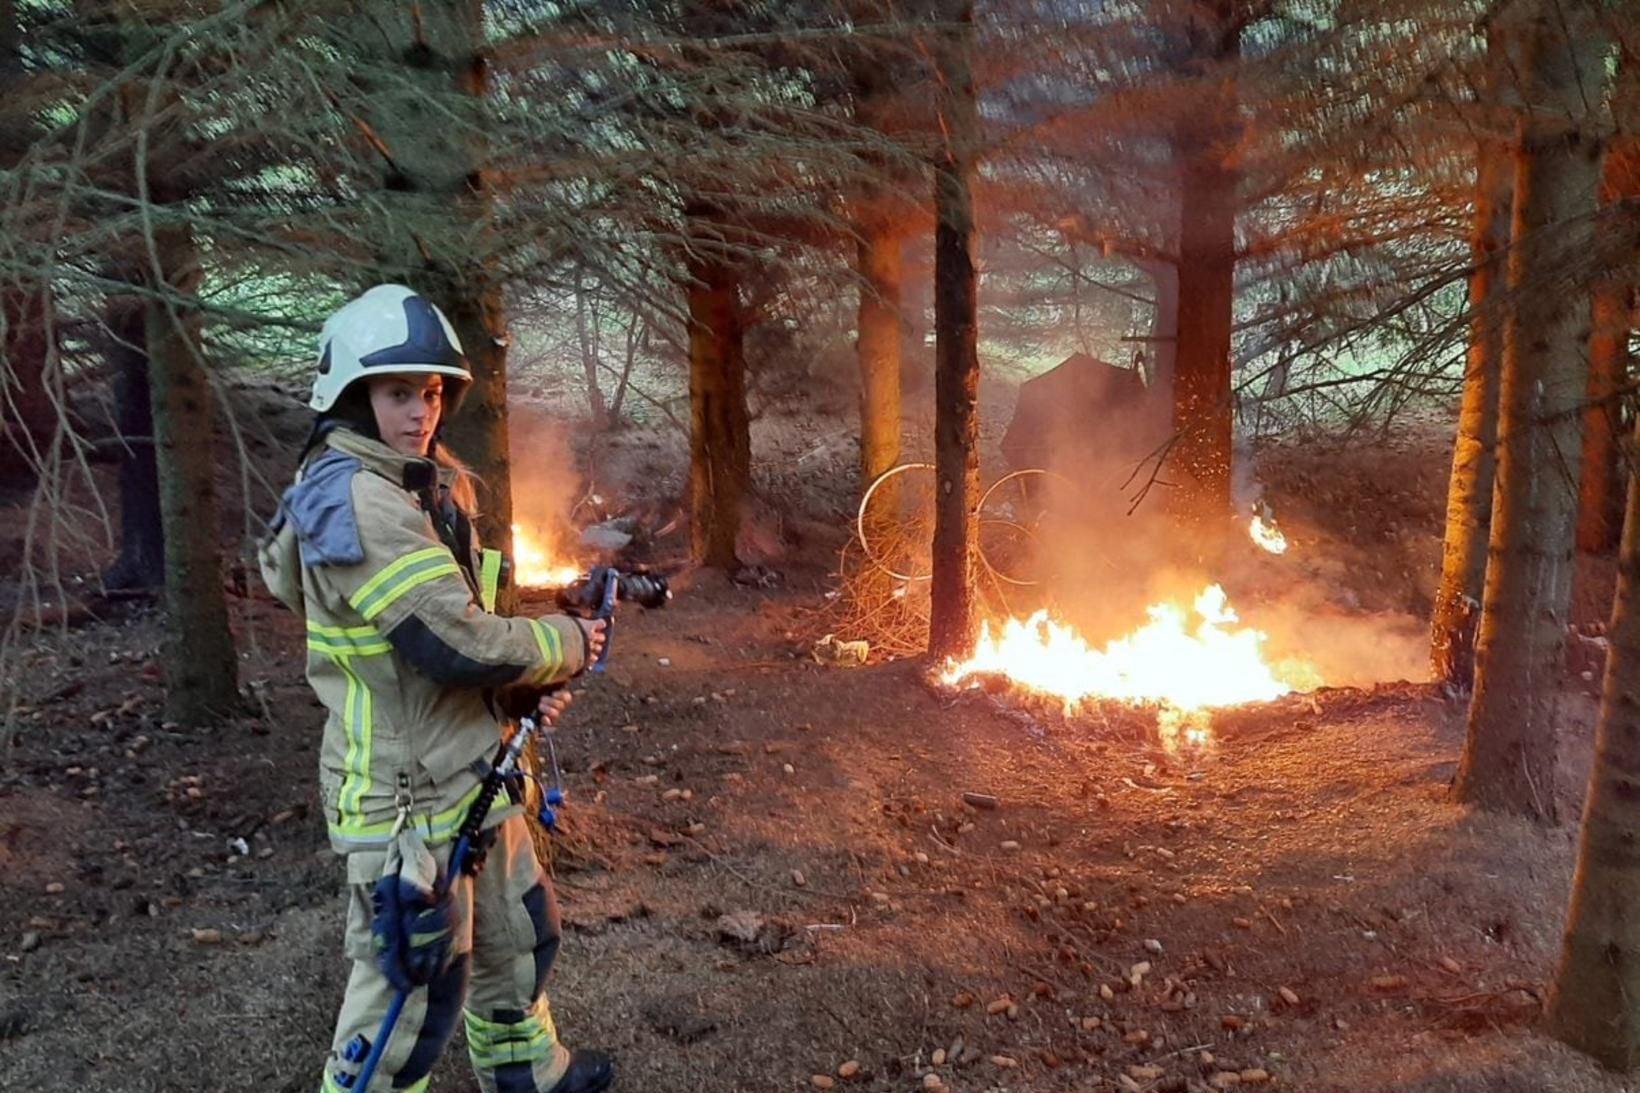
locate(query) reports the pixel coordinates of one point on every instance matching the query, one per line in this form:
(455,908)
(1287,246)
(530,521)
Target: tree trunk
(479,432)
(953,619)
(1474,458)
(636,329)
(1595,1003)
(1162,348)
(720,456)
(28,420)
(477,309)
(1600,497)
(878,347)
(1509,755)
(881,218)
(437,230)
(1203,403)
(589,360)
(201,668)
(141,561)
(1611,317)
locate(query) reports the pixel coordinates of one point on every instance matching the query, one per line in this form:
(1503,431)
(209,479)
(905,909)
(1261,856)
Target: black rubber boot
(589,1072)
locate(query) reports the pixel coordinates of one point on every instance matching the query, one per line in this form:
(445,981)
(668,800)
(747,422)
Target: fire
(534,565)
(1186,668)
(1267,534)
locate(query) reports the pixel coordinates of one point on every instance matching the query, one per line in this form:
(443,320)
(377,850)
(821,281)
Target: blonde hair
(462,490)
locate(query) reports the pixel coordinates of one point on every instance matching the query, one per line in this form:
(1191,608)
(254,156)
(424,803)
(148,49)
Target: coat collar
(406,471)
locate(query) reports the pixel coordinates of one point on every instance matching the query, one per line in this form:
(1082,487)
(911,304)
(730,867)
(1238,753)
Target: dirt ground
(1298,905)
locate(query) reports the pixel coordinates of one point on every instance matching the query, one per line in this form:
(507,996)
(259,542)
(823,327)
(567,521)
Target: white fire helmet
(390,329)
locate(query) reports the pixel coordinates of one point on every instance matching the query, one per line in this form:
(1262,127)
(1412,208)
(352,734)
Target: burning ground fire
(534,566)
(1186,669)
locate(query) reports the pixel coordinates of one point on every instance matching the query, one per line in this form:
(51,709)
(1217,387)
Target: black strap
(454,529)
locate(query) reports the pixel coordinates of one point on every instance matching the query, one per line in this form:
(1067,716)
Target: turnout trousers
(507,930)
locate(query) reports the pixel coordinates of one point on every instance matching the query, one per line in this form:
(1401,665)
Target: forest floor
(1299,905)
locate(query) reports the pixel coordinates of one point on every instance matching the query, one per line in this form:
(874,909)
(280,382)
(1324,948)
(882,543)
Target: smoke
(1107,553)
(1347,649)
(1246,491)
(1306,604)
(546,483)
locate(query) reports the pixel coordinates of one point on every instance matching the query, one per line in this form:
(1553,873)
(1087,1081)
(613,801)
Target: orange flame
(534,565)
(1187,669)
(1267,535)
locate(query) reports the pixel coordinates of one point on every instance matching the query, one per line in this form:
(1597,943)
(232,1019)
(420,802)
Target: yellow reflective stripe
(344,640)
(342,631)
(414,578)
(418,940)
(393,569)
(356,723)
(551,646)
(408,572)
(374,648)
(435,829)
(419,1087)
(492,1044)
(489,572)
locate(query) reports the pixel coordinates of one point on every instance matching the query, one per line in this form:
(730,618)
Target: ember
(534,566)
(1185,666)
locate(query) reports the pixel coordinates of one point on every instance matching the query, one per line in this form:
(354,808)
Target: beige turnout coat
(402,647)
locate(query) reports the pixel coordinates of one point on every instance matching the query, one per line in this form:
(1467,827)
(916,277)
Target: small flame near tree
(535,565)
(1187,667)
(1267,536)
(1264,530)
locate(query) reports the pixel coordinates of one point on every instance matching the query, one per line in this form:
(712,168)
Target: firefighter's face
(407,410)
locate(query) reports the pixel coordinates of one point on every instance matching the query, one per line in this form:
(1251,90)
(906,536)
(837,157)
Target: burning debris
(1264,530)
(1186,667)
(537,566)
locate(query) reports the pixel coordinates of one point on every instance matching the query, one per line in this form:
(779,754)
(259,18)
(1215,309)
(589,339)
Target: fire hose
(600,590)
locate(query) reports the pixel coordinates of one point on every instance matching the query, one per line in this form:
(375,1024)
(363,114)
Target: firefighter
(373,544)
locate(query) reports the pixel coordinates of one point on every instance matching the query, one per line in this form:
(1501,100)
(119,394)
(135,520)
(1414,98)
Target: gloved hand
(412,927)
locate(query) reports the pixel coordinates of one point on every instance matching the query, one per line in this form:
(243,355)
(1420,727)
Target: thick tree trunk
(479,431)
(1203,403)
(1474,459)
(1600,498)
(1509,755)
(953,619)
(141,561)
(878,348)
(720,456)
(437,233)
(201,668)
(1599,518)
(1595,1004)
(477,309)
(1203,408)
